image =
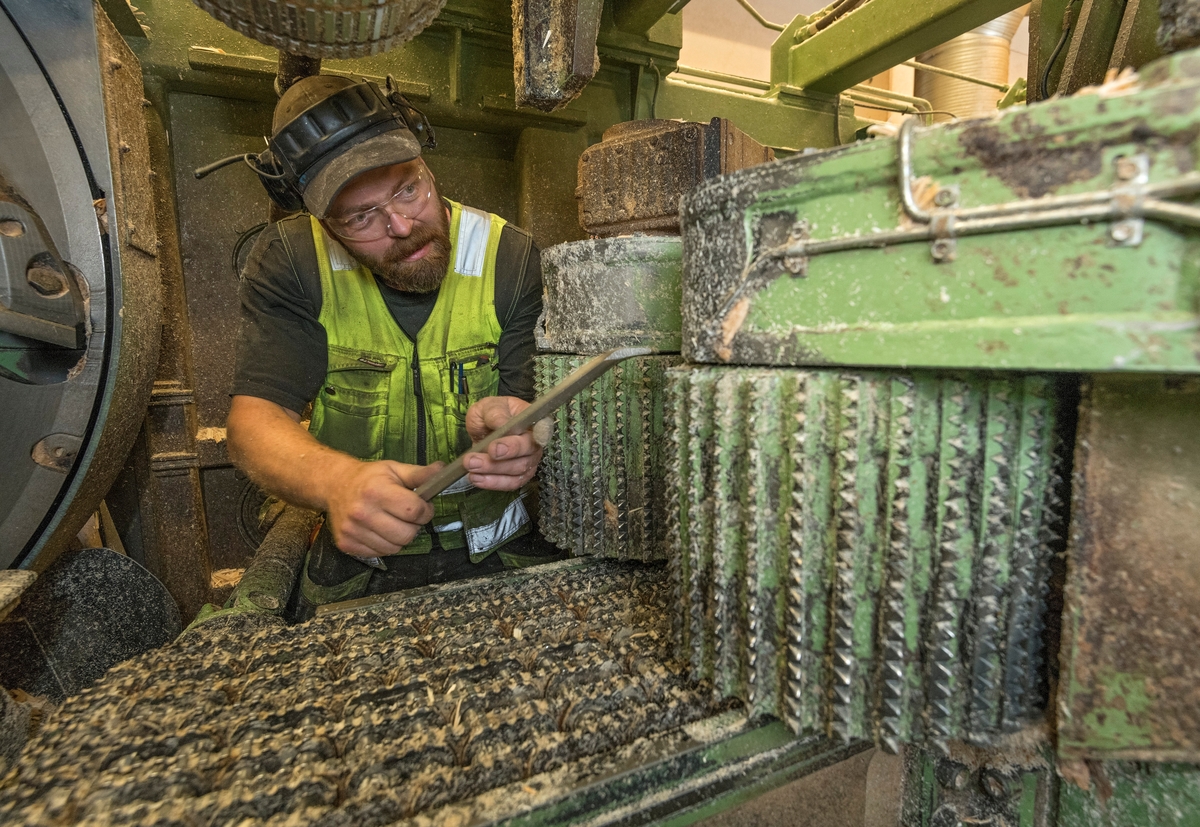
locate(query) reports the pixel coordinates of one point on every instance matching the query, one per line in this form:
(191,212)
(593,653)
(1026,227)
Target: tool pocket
(474,373)
(350,412)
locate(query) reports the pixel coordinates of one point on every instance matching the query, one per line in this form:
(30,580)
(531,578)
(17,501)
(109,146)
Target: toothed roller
(603,474)
(373,715)
(866,555)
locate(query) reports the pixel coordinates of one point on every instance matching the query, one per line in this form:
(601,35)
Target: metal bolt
(945,816)
(942,249)
(996,784)
(1127,168)
(1121,232)
(953,775)
(11,228)
(45,281)
(944,197)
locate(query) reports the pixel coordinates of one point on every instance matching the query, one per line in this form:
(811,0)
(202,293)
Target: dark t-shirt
(282,352)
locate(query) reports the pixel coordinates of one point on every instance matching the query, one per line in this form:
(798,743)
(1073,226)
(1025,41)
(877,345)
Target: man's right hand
(371,508)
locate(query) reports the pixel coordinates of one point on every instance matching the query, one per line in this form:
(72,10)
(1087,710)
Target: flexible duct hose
(981,53)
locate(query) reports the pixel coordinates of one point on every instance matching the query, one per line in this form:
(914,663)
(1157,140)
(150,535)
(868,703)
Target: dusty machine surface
(901,507)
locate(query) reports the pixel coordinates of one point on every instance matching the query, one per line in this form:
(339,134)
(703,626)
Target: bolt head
(1121,232)
(1127,169)
(996,784)
(952,775)
(942,250)
(944,197)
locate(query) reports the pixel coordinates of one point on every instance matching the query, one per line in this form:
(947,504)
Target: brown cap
(331,173)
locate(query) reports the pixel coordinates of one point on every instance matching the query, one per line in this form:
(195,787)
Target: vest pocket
(474,373)
(353,401)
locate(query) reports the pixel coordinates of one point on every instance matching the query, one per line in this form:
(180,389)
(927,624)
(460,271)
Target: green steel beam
(874,37)
(637,16)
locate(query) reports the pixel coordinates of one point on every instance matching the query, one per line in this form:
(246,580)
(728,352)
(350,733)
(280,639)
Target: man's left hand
(509,462)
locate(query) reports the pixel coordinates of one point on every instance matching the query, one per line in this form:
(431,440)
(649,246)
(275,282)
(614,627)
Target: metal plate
(1131,682)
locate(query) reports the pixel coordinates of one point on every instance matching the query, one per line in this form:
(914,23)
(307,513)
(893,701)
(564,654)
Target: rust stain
(992,345)
(1001,275)
(732,323)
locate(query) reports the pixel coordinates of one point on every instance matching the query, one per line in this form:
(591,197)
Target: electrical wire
(1062,41)
(245,238)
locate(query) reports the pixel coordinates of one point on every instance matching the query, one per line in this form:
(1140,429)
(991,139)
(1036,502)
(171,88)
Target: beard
(424,275)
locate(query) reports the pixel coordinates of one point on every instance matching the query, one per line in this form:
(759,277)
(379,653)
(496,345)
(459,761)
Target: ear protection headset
(340,121)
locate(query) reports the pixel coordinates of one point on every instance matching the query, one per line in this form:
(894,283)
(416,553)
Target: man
(406,321)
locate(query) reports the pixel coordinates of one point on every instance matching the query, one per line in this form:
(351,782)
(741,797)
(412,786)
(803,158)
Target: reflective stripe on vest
(367,405)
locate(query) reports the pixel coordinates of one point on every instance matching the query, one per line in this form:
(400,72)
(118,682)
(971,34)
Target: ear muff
(347,117)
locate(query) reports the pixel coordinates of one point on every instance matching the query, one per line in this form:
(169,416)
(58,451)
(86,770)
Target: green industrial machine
(899,521)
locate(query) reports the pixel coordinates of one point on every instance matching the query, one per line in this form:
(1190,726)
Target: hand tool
(543,406)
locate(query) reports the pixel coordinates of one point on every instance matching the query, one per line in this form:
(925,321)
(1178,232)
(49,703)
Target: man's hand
(509,462)
(372,510)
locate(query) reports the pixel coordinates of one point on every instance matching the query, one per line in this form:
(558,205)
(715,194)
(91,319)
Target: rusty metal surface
(632,181)
(1131,681)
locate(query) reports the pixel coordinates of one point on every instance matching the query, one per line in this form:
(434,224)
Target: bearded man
(405,321)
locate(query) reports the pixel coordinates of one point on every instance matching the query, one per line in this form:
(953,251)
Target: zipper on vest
(420,397)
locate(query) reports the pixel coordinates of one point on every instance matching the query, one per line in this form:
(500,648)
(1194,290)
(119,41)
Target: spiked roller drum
(868,555)
(337,29)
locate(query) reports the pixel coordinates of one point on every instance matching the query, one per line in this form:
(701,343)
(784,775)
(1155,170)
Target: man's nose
(399,226)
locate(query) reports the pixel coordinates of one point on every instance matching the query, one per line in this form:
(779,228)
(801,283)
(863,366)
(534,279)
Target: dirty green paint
(1029,799)
(816,550)
(729,493)
(1056,298)
(773,416)
(1118,724)
(1142,794)
(880,630)
(1129,640)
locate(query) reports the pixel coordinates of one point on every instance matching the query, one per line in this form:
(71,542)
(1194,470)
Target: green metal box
(1054,237)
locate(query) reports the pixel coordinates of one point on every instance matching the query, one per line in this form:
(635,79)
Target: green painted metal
(872,38)
(1092,40)
(1066,297)
(603,489)
(1121,794)
(907,599)
(1132,618)
(788,120)
(1013,785)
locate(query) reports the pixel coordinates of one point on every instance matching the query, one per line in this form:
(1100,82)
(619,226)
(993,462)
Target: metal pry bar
(543,406)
